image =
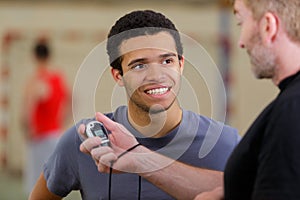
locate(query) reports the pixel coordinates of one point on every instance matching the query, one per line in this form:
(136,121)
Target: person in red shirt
(45,102)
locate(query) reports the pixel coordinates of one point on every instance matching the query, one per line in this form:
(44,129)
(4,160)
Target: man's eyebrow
(167,55)
(136,61)
(144,59)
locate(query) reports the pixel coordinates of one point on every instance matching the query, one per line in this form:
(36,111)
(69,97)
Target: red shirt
(47,114)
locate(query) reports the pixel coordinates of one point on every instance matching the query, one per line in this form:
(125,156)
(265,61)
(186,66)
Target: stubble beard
(262,59)
(154,109)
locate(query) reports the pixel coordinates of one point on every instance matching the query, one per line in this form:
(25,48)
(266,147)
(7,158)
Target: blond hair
(287,10)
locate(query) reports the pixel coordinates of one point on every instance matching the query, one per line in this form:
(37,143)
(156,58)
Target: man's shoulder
(210,121)
(212,125)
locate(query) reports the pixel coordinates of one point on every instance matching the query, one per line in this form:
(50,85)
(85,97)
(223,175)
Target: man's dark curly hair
(137,23)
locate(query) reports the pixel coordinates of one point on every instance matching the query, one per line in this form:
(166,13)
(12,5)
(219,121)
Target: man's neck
(288,62)
(155,124)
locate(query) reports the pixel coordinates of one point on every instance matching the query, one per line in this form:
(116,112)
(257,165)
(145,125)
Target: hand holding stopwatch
(94,129)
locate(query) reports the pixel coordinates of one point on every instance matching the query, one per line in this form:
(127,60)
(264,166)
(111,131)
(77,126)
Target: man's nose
(154,72)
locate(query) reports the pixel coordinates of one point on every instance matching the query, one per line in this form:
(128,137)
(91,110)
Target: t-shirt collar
(285,82)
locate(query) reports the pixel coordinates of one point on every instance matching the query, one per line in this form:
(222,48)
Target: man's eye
(239,23)
(138,67)
(167,61)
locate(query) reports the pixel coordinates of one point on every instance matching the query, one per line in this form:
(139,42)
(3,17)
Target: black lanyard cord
(109,181)
(110,174)
(140,186)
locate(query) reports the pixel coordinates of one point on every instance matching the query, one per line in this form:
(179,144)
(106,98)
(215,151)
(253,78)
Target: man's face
(262,58)
(151,71)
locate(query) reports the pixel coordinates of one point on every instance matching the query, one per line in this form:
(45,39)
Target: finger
(98,152)
(108,158)
(102,168)
(111,125)
(108,123)
(81,131)
(87,145)
(105,169)
(117,131)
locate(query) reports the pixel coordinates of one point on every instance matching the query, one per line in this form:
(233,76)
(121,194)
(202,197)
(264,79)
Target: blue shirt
(198,141)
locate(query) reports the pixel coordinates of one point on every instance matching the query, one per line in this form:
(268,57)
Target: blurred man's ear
(268,28)
(117,76)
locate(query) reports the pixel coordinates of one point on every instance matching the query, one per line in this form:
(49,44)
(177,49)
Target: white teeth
(158,91)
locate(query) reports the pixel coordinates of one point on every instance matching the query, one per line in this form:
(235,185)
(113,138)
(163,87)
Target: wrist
(128,150)
(147,161)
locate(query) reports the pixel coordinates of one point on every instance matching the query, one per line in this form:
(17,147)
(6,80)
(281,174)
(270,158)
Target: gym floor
(11,188)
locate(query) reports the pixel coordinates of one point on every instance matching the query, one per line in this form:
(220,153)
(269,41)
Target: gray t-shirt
(198,141)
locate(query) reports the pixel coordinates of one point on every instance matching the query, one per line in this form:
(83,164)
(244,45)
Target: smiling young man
(145,53)
(152,72)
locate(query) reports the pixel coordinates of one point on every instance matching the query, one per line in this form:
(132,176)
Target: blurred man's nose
(241,44)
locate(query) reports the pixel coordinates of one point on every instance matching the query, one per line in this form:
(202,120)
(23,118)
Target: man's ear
(269,26)
(116,74)
(181,63)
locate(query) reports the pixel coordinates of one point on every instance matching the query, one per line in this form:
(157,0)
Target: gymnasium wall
(76,31)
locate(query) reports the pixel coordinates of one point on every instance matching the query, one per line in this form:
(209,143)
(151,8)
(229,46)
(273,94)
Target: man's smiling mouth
(158,91)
